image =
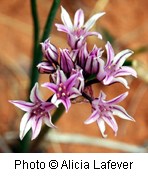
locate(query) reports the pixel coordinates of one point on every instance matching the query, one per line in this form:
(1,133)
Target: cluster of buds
(72,72)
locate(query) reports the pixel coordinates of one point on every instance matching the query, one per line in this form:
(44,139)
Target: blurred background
(125,25)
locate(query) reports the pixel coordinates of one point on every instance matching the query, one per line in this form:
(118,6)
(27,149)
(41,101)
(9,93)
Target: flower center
(38,110)
(62,92)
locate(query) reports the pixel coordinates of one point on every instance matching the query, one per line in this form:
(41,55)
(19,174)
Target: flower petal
(70,82)
(50,86)
(45,67)
(54,99)
(101,72)
(120,58)
(101,125)
(36,127)
(117,99)
(112,123)
(66,102)
(23,105)
(60,77)
(79,19)
(121,80)
(66,62)
(25,125)
(34,95)
(92,34)
(126,70)
(102,95)
(48,122)
(89,24)
(108,79)
(110,54)
(74,93)
(66,19)
(62,28)
(94,116)
(121,112)
(48,106)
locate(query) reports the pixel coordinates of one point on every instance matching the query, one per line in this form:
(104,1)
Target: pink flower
(63,88)
(78,31)
(103,112)
(113,69)
(36,113)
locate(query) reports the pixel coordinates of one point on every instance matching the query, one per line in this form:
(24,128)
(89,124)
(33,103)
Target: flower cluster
(72,72)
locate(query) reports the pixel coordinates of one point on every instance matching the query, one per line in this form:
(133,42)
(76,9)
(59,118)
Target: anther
(60,88)
(63,94)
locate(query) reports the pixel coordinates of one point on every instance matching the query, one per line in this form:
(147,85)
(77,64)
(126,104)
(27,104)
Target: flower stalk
(37,53)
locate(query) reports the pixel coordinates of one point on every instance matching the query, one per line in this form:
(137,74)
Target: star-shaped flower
(104,111)
(63,88)
(36,113)
(113,69)
(78,31)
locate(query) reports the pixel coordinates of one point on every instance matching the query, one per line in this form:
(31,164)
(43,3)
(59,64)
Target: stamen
(63,94)
(60,89)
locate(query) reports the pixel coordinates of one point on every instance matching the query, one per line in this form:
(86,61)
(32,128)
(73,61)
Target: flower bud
(66,62)
(45,67)
(50,51)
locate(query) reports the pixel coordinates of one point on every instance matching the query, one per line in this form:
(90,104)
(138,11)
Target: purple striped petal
(92,34)
(83,54)
(36,127)
(71,82)
(121,112)
(120,58)
(108,79)
(61,78)
(101,72)
(34,95)
(48,122)
(66,62)
(48,106)
(126,70)
(121,80)
(101,125)
(117,99)
(79,19)
(112,123)
(25,125)
(74,93)
(66,19)
(23,105)
(110,54)
(88,65)
(94,116)
(66,102)
(50,86)
(89,24)
(45,67)
(102,95)
(62,28)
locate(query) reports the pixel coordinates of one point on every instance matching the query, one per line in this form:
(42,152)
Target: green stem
(47,29)
(34,72)
(25,143)
(55,117)
(37,54)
